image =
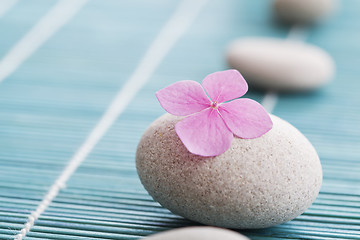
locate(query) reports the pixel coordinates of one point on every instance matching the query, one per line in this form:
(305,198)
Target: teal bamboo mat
(50,104)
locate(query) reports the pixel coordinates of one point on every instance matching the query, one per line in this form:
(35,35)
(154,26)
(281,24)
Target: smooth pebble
(281,65)
(257,183)
(303,11)
(198,233)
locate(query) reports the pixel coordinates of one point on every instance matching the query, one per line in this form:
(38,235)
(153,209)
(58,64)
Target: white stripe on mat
(296,33)
(177,25)
(269,101)
(49,24)
(6,5)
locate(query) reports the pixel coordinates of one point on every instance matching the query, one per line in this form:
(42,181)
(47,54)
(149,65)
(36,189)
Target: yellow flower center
(214,105)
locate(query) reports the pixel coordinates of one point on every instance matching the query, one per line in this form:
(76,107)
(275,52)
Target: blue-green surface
(49,105)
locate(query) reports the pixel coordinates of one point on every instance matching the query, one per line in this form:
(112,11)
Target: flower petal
(225,85)
(246,118)
(205,133)
(183,98)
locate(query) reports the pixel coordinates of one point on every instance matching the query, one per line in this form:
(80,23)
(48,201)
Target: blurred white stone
(281,65)
(198,233)
(303,11)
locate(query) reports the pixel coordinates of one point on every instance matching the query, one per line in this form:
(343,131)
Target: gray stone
(281,65)
(198,233)
(303,11)
(257,183)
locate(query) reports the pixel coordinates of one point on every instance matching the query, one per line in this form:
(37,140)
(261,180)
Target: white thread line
(6,5)
(180,21)
(296,33)
(269,101)
(49,24)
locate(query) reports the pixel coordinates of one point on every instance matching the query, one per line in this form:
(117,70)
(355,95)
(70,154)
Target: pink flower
(212,123)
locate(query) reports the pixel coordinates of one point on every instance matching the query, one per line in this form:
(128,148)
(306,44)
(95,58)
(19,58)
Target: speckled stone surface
(257,183)
(280,64)
(198,233)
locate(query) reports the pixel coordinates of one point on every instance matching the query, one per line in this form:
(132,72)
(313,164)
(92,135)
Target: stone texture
(257,183)
(281,65)
(303,11)
(198,233)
